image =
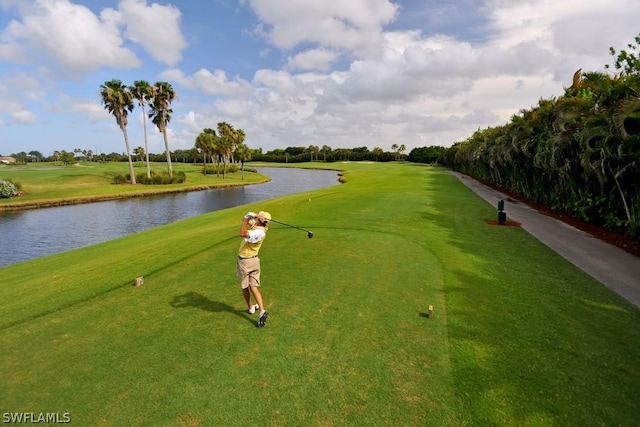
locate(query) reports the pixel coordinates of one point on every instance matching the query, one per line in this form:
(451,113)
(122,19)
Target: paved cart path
(613,267)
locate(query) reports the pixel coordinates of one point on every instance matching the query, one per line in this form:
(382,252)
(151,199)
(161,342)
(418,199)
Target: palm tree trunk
(624,200)
(204,163)
(146,144)
(126,142)
(224,167)
(166,149)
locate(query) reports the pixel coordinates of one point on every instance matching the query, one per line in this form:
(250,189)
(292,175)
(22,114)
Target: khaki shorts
(248,272)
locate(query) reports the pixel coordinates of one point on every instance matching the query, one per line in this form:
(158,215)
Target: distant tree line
(71,157)
(325,153)
(287,155)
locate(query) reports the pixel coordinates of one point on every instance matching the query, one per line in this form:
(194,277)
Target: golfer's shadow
(196,300)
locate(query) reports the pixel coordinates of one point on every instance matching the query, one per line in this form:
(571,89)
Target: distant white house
(7,160)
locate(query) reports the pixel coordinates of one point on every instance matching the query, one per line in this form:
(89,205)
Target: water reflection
(34,233)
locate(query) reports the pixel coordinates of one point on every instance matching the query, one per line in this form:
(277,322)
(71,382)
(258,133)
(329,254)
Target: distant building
(7,160)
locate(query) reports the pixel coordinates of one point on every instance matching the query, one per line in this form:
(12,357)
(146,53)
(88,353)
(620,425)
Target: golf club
(309,233)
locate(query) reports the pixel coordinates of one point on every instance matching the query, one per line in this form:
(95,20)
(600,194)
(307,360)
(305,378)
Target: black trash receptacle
(502,217)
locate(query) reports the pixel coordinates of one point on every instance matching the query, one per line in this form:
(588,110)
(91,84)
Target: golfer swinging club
(253,230)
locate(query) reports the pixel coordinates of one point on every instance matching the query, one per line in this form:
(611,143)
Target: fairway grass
(519,336)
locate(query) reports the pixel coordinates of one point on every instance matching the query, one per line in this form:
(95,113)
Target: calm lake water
(30,234)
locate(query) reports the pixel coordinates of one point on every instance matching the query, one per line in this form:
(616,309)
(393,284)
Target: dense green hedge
(578,154)
(157,178)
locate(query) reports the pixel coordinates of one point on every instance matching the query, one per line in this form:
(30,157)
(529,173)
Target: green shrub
(178,177)
(8,189)
(161,178)
(231,168)
(120,179)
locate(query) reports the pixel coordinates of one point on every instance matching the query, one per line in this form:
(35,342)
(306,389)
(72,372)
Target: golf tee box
(139,281)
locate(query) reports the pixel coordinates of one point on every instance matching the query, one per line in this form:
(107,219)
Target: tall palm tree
(215,150)
(315,150)
(119,101)
(325,149)
(243,154)
(226,137)
(206,143)
(238,138)
(377,152)
(160,113)
(200,145)
(142,92)
(138,152)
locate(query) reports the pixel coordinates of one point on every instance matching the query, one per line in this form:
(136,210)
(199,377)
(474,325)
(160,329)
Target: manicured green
(48,183)
(519,336)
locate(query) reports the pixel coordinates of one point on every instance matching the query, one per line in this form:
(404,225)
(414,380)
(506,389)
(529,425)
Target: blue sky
(342,73)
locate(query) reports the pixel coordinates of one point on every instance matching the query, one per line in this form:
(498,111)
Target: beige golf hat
(264,216)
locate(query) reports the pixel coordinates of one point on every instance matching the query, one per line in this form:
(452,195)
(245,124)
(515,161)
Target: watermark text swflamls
(36,417)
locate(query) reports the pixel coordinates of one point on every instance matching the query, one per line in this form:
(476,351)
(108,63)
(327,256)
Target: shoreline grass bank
(87,182)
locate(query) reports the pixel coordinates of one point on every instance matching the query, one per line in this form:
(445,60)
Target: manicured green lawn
(519,336)
(48,183)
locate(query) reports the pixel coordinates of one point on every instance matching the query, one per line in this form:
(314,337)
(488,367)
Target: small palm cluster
(118,99)
(222,146)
